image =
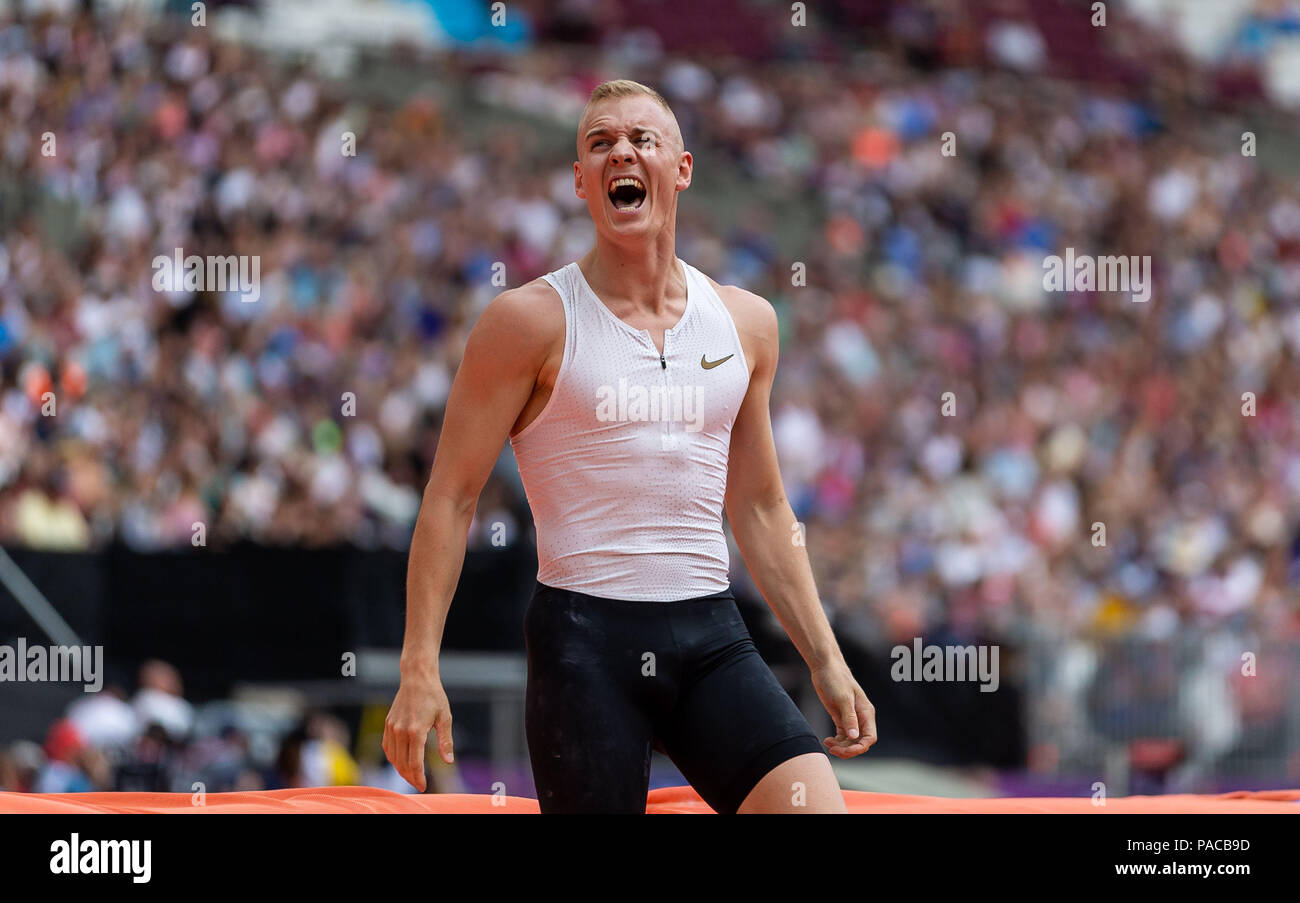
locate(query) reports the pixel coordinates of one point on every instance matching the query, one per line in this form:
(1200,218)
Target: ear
(577,181)
(685,166)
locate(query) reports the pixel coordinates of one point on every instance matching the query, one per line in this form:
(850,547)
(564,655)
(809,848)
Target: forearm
(780,568)
(432,572)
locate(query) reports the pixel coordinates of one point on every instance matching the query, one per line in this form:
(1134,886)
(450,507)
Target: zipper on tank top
(667,440)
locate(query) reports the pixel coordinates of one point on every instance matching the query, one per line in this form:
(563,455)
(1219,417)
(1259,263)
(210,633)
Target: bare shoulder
(531,307)
(754,314)
(756,323)
(522,322)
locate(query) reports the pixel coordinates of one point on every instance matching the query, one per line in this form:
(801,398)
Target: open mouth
(627,193)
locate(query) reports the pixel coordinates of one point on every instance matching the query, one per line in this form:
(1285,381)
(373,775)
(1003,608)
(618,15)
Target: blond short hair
(625,87)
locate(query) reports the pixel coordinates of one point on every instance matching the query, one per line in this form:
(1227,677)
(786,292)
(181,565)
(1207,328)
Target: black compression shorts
(610,680)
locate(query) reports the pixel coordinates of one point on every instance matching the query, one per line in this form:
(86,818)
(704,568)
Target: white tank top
(625,468)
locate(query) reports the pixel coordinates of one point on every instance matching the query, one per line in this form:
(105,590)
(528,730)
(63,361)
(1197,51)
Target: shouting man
(634,390)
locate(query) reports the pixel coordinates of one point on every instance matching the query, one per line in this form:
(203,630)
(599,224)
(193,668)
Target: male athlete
(634,391)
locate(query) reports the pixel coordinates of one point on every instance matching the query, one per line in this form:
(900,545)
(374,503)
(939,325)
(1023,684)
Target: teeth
(619,183)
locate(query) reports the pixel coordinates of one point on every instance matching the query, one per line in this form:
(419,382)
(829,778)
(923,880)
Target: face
(630,166)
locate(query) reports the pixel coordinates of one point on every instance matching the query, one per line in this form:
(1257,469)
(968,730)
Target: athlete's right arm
(506,350)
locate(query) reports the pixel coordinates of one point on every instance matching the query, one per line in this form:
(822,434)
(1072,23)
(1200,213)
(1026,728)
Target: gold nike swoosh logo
(709,365)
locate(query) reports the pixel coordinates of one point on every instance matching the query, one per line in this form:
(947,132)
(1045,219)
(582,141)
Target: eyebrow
(640,129)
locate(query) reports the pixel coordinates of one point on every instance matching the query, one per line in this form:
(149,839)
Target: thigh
(734,723)
(589,735)
(805,784)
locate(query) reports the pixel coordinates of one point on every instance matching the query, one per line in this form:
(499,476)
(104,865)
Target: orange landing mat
(663,801)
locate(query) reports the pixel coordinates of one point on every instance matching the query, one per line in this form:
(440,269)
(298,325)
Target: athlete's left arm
(764,526)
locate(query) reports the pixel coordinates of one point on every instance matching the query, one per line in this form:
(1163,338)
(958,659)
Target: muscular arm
(761,518)
(506,351)
(763,524)
(495,379)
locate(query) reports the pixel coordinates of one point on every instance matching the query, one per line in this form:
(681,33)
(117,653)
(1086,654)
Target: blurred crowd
(951,434)
(157,742)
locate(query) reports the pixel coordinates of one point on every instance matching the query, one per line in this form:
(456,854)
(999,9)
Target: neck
(645,275)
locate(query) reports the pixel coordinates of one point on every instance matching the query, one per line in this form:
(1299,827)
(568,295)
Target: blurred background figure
(20,763)
(105,719)
(315,754)
(149,765)
(71,765)
(159,700)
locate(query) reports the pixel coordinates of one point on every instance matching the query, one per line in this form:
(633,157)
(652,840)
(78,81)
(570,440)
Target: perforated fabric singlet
(625,467)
